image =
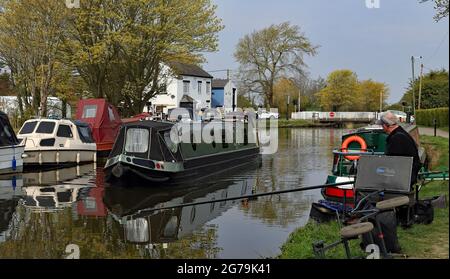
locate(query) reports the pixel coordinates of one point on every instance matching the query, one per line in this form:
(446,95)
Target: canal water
(56,213)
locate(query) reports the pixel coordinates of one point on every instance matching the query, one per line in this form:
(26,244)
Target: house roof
(220,83)
(188,70)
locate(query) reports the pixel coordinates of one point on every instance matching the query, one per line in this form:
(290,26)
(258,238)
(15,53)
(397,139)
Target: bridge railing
(335,116)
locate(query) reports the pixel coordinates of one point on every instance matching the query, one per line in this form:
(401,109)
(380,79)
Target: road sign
(332,114)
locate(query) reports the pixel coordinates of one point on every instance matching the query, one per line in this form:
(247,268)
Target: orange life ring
(351,139)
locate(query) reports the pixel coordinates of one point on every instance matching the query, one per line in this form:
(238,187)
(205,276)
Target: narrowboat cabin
(11,150)
(145,150)
(52,142)
(104,121)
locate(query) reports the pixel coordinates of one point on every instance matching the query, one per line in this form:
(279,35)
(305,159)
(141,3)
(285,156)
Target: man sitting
(400,142)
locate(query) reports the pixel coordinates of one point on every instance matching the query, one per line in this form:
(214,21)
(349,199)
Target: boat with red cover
(104,121)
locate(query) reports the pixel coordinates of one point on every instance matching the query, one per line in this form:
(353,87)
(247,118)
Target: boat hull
(11,159)
(126,173)
(59,157)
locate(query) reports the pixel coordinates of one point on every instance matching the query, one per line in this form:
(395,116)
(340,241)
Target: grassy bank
(420,241)
(293,123)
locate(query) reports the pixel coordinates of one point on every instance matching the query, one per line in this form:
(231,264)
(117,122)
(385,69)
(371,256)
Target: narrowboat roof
(157,125)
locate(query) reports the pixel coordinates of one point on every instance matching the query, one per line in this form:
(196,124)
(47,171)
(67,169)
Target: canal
(42,213)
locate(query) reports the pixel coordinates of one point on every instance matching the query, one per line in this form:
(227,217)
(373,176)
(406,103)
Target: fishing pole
(300,189)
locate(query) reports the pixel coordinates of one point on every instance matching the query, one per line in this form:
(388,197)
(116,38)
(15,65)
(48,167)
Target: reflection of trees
(301,153)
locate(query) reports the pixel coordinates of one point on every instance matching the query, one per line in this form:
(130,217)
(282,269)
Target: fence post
(435,127)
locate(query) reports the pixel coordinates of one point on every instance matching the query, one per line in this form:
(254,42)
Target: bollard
(435,127)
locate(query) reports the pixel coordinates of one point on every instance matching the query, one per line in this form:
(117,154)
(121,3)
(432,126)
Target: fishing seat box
(390,174)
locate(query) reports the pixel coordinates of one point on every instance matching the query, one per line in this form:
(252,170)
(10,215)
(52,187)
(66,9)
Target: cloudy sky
(374,43)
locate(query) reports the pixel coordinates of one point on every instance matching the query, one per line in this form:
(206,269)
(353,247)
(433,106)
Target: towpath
(430,132)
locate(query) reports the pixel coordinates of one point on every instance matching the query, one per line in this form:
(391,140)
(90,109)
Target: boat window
(85,134)
(64,131)
(111,114)
(46,127)
(90,111)
(173,147)
(28,128)
(137,140)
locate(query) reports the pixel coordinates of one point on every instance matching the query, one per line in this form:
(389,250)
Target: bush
(425,117)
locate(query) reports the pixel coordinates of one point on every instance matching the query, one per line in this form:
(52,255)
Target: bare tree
(269,54)
(441,7)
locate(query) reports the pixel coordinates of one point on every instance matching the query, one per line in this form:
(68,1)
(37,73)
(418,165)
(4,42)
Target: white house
(188,86)
(224,94)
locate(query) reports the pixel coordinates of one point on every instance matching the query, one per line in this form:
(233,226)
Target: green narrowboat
(147,150)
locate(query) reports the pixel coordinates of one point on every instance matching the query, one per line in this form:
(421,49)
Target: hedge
(425,117)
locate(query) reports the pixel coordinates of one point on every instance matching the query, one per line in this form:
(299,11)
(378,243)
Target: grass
(419,241)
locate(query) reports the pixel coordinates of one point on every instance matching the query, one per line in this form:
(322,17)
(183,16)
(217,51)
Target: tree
(434,90)
(31,35)
(441,7)
(341,92)
(283,89)
(370,92)
(119,47)
(267,55)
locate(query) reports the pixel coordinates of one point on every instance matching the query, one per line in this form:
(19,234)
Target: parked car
(263,114)
(402,116)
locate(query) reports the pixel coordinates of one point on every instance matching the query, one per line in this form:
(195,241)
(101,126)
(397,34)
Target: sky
(375,43)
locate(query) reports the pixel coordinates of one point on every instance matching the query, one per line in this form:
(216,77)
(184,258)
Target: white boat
(11,151)
(57,142)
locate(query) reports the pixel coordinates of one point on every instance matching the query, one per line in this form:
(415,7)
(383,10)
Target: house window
(199,87)
(208,88)
(186,84)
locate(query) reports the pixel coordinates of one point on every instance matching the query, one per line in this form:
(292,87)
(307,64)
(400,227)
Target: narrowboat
(57,142)
(11,150)
(145,150)
(370,140)
(104,121)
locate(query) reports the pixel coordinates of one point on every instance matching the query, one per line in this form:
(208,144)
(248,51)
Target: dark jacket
(400,143)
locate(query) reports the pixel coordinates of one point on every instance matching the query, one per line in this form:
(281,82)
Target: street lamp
(413,81)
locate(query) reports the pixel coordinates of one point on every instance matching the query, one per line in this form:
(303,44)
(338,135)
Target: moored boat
(370,140)
(57,142)
(11,150)
(145,150)
(104,121)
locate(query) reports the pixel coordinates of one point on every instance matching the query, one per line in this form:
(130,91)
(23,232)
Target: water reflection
(42,212)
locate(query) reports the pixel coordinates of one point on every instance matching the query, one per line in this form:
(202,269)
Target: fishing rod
(300,189)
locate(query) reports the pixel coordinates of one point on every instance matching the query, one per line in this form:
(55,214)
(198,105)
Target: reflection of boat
(133,208)
(56,176)
(52,198)
(11,150)
(104,121)
(9,188)
(146,150)
(57,142)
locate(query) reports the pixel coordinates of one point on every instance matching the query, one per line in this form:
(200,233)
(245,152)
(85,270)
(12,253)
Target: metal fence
(335,116)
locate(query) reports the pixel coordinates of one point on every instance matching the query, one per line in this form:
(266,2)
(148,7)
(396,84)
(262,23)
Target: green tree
(441,7)
(341,92)
(269,54)
(434,90)
(371,94)
(31,36)
(119,47)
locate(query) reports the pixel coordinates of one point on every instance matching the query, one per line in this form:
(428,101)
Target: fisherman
(399,142)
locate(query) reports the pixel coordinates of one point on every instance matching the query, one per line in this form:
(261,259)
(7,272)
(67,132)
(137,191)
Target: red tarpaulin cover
(103,119)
